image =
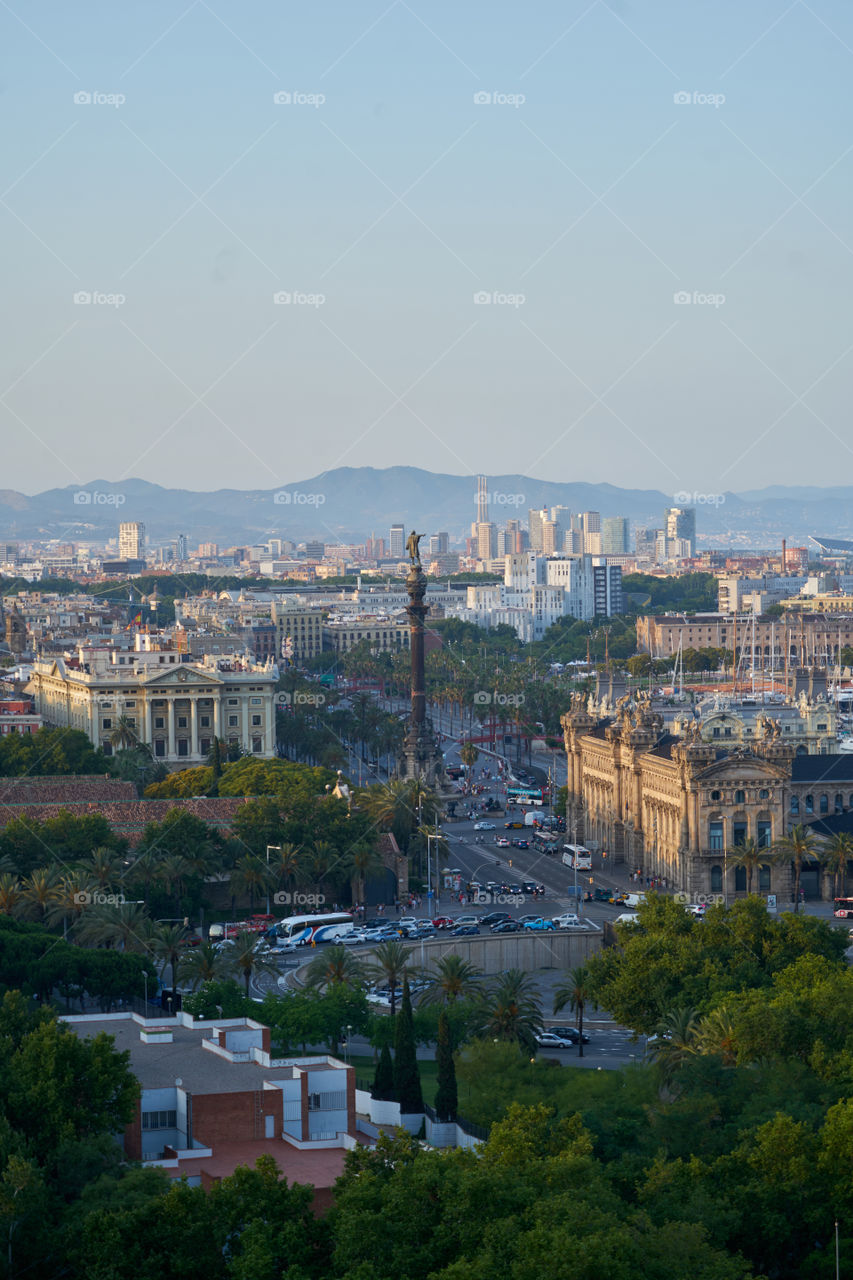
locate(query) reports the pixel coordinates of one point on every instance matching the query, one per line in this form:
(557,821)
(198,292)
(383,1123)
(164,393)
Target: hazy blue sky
(397,199)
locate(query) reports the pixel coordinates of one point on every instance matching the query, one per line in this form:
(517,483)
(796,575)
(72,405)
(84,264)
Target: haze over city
(597,241)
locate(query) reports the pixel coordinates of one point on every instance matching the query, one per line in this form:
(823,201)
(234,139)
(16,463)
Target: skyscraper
(679,523)
(397,540)
(131,541)
(552,537)
(614,536)
(534,523)
(439,544)
(482,500)
(486,541)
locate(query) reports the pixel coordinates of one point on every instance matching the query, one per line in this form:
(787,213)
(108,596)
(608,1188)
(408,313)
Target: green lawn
(365,1068)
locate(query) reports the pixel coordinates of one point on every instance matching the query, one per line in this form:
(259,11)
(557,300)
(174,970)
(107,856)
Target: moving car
(521,844)
(502,842)
(513,826)
(484,826)
(495,917)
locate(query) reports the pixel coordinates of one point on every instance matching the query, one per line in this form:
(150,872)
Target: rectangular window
(183,747)
(182,722)
(108,724)
(739,833)
(159,747)
(715,837)
(764,835)
(205,723)
(257,745)
(204,745)
(159,722)
(233,721)
(256,702)
(256,720)
(159,1119)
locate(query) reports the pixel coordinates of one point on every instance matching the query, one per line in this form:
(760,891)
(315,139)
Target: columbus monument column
(422,757)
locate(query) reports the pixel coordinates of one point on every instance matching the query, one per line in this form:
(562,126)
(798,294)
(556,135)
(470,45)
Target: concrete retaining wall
(528,951)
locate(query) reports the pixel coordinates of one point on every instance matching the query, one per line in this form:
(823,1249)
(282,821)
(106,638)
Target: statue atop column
(412,548)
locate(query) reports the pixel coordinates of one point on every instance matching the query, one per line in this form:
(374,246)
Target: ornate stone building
(677,804)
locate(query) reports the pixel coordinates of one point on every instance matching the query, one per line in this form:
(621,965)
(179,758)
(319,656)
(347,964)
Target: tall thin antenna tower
(482,500)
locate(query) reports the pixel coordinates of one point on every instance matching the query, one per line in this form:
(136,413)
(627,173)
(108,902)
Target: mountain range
(349,503)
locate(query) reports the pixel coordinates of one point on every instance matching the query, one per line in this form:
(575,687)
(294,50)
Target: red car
(442,922)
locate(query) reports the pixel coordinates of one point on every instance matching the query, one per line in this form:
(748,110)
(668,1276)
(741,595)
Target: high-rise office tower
(439,544)
(397,538)
(486,541)
(482,500)
(131,541)
(535,521)
(552,537)
(561,516)
(679,523)
(614,536)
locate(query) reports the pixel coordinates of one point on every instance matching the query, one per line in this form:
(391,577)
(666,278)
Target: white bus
(303,930)
(575,855)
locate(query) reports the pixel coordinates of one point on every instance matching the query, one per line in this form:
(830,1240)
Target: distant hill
(349,503)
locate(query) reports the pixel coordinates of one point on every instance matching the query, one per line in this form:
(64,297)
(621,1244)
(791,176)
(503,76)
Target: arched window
(795,804)
(764,879)
(716,879)
(824,803)
(740,879)
(839,802)
(809,804)
(740,797)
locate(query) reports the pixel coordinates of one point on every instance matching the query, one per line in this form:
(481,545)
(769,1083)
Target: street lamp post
(346,1046)
(277,848)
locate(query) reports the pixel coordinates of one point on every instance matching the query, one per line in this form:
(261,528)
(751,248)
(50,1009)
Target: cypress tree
(383,1079)
(446,1097)
(407,1080)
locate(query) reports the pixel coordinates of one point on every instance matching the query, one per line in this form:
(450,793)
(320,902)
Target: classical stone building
(175,706)
(678,804)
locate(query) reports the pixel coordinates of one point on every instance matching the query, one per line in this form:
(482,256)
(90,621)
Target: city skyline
(581,238)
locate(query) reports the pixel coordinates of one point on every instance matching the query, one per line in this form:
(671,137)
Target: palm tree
(675,1041)
(201,964)
(252,874)
(166,944)
(511,1010)
(452,979)
(70,896)
(391,961)
(835,857)
(37,891)
(468,754)
(751,856)
(102,865)
(123,735)
(798,847)
(364,860)
(335,965)
(286,866)
(244,959)
(10,893)
(576,992)
(125,926)
(716,1034)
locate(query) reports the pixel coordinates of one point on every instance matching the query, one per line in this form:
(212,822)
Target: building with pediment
(174,704)
(675,798)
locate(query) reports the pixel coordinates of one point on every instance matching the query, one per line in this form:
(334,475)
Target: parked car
(443,922)
(353,939)
(568,920)
(421,932)
(495,917)
(627,917)
(549,1041)
(467,920)
(484,826)
(540,925)
(568,1033)
(466,931)
(506,926)
(528,919)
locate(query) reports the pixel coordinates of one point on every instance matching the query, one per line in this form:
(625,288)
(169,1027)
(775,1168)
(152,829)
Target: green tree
(244,959)
(334,965)
(383,1078)
(752,857)
(391,962)
(446,1098)
(834,857)
(468,754)
(577,992)
(452,978)
(407,1079)
(798,847)
(510,1009)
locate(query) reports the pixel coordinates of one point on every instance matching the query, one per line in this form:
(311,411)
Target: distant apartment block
(131,540)
(299,631)
(615,532)
(382,634)
(397,541)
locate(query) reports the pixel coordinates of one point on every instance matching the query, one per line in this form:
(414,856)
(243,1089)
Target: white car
(627,917)
(547,1040)
(354,938)
(484,826)
(569,920)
